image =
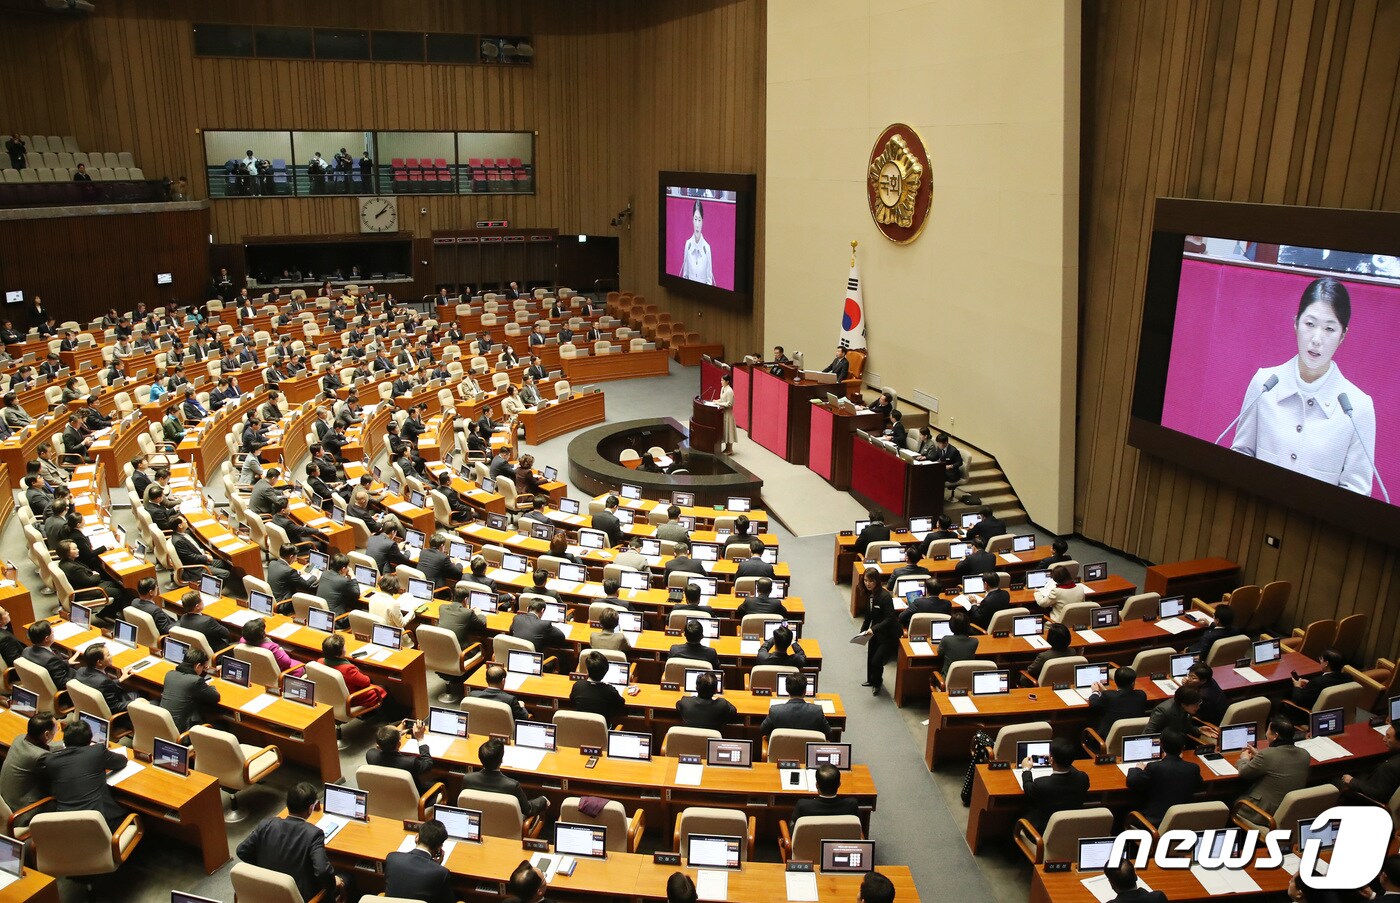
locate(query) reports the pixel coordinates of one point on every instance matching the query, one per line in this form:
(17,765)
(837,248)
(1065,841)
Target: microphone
(1268,384)
(1347,409)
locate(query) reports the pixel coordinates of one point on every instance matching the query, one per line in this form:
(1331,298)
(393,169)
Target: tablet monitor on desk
(461,824)
(1316,829)
(416,499)
(320,619)
(414,538)
(618,674)
(1037,578)
(958,551)
(1266,651)
(920,524)
(23,702)
(892,554)
(729,753)
(974,583)
(847,856)
(483,602)
(1181,664)
(11,855)
(495,520)
(630,492)
(1171,607)
(336,515)
(837,755)
(683,499)
(860,526)
(704,551)
(592,539)
(569,506)
(516,564)
(1236,736)
(520,662)
(709,586)
(101,728)
(1326,723)
(541,530)
(347,802)
(739,504)
(971,520)
(688,522)
(634,580)
(395,486)
(386,636)
(170,755)
(173,650)
(771,627)
(80,615)
(988,683)
(1104,616)
(588,841)
(1094,572)
(551,473)
(450,722)
(459,550)
(554,613)
(573,573)
(535,735)
(235,671)
(260,602)
(1022,542)
(629,745)
(298,689)
(211,589)
(1094,853)
(1028,625)
(693,674)
(712,851)
(1142,748)
(316,564)
(624,516)
(366,576)
(422,590)
(1085,676)
(1038,751)
(124,632)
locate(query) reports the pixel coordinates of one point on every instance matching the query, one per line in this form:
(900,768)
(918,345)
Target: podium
(706,426)
(883,479)
(781,421)
(833,430)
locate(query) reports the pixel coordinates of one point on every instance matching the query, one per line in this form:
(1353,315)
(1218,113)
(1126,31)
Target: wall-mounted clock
(379,214)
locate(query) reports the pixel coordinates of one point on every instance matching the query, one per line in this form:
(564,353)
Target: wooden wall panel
(618,92)
(1265,101)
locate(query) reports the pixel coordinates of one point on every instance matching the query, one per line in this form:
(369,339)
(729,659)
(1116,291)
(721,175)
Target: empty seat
(111,160)
(125,159)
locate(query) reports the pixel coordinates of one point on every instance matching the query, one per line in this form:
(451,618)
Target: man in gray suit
(460,619)
(1275,771)
(495,690)
(77,775)
(796,713)
(265,498)
(335,586)
(489,778)
(673,530)
(21,777)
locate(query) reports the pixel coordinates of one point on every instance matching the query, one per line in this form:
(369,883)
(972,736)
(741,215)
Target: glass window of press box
(248,164)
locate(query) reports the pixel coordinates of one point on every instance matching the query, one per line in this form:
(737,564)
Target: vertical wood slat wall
(598,94)
(1265,101)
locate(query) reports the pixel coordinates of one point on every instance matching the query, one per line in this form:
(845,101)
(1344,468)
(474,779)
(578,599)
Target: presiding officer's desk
(305,734)
(653,785)
(187,809)
(950,731)
(361,848)
(653,709)
(998,800)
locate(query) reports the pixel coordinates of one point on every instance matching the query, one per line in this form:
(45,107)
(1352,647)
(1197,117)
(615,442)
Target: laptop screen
(235,671)
(534,734)
(124,632)
(170,756)
(554,613)
(459,550)
(520,662)
(384,635)
(629,745)
(990,682)
(461,824)
(260,602)
(447,721)
(347,802)
(80,615)
(482,601)
(1142,747)
(174,650)
(589,841)
(319,561)
(1023,542)
(1236,736)
(731,753)
(630,492)
(971,520)
(708,585)
(592,539)
(366,576)
(1094,853)
(494,520)
(540,530)
(210,586)
(569,506)
(415,538)
(299,689)
(848,855)
(920,524)
(634,580)
(771,627)
(320,619)
(837,755)
(416,498)
(712,851)
(11,855)
(1327,723)
(809,691)
(740,504)
(1266,651)
(23,702)
(959,550)
(420,589)
(551,473)
(516,564)
(892,554)
(100,728)
(687,522)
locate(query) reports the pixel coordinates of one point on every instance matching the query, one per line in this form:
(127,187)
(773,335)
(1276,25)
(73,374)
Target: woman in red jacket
(333,656)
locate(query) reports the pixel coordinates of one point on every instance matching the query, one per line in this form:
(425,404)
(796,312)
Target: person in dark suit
(191,554)
(1059,552)
(682,561)
(930,602)
(1176,712)
(495,690)
(419,874)
(10,646)
(265,497)
(1307,690)
(388,741)
(1058,636)
(489,778)
(593,695)
(384,547)
(148,601)
(1124,701)
(530,625)
(1124,882)
(839,365)
(989,527)
(607,521)
(705,709)
(294,846)
(942,529)
(875,531)
(761,602)
(1222,627)
(754,565)
(881,627)
(911,567)
(1066,787)
(797,713)
(37,495)
(693,647)
(826,801)
(194,618)
(898,432)
(978,561)
(77,775)
(41,653)
(435,563)
(996,599)
(93,665)
(1381,782)
(781,650)
(1213,702)
(187,692)
(1273,772)
(457,617)
(284,579)
(335,586)
(692,595)
(959,645)
(1166,782)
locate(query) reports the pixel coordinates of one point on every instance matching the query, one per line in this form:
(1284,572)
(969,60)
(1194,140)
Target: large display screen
(705,243)
(1268,339)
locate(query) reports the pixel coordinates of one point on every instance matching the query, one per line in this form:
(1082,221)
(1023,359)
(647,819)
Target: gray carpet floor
(919,821)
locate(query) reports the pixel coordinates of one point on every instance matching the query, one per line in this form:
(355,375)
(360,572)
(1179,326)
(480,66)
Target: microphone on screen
(1268,384)
(1345,404)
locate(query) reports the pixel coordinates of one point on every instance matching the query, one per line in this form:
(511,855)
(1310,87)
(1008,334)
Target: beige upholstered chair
(808,832)
(787,744)
(447,658)
(1142,605)
(676,666)
(1058,671)
(89,700)
(709,820)
(392,793)
(264,669)
(80,845)
(500,814)
(331,691)
(575,729)
(1060,840)
(38,681)
(688,741)
(959,676)
(1225,652)
(149,721)
(624,835)
(1113,743)
(1004,747)
(488,716)
(1208,816)
(237,766)
(1303,804)
(253,884)
(766,677)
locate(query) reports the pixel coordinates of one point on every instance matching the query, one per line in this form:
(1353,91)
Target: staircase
(986,481)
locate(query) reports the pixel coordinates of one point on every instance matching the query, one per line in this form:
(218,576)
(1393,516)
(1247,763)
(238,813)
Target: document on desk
(1090,637)
(1037,642)
(6,879)
(117,777)
(802,887)
(329,825)
(282,631)
(1251,675)
(1126,767)
(1165,685)
(1175,625)
(711,884)
(749,647)
(257,703)
(1323,749)
(1218,882)
(437,744)
(62,630)
(1222,767)
(1099,887)
(523,757)
(963,705)
(1010,558)
(688,775)
(1071,697)
(241,617)
(375,653)
(515,680)
(923,649)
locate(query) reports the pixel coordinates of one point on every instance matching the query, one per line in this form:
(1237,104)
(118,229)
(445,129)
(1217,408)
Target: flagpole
(853,252)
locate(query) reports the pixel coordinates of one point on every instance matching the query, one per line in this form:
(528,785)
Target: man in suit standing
(693,647)
(1166,782)
(41,653)
(705,710)
(839,365)
(294,846)
(797,713)
(607,521)
(1066,787)
(1275,771)
(1125,701)
(77,775)
(435,563)
(875,531)
(335,586)
(495,690)
(388,742)
(187,691)
(489,778)
(594,695)
(1381,782)
(826,801)
(419,874)
(1307,690)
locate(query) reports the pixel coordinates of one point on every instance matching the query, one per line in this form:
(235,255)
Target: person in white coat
(696,262)
(1304,414)
(726,402)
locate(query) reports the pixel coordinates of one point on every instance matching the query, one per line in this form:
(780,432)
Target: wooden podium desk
(780,420)
(32,887)
(119,563)
(1206,578)
(304,734)
(950,732)
(653,710)
(1179,885)
(998,800)
(901,488)
(706,425)
(626,365)
(833,431)
(214,531)
(361,848)
(556,419)
(418,518)
(120,444)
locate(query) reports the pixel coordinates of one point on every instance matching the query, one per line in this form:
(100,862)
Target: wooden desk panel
(627,365)
(543,424)
(1207,578)
(1179,885)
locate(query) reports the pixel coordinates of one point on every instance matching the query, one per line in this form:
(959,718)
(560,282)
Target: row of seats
(70,160)
(50,143)
(63,174)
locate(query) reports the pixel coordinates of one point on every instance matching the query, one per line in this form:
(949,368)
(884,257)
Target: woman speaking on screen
(1305,415)
(695,262)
